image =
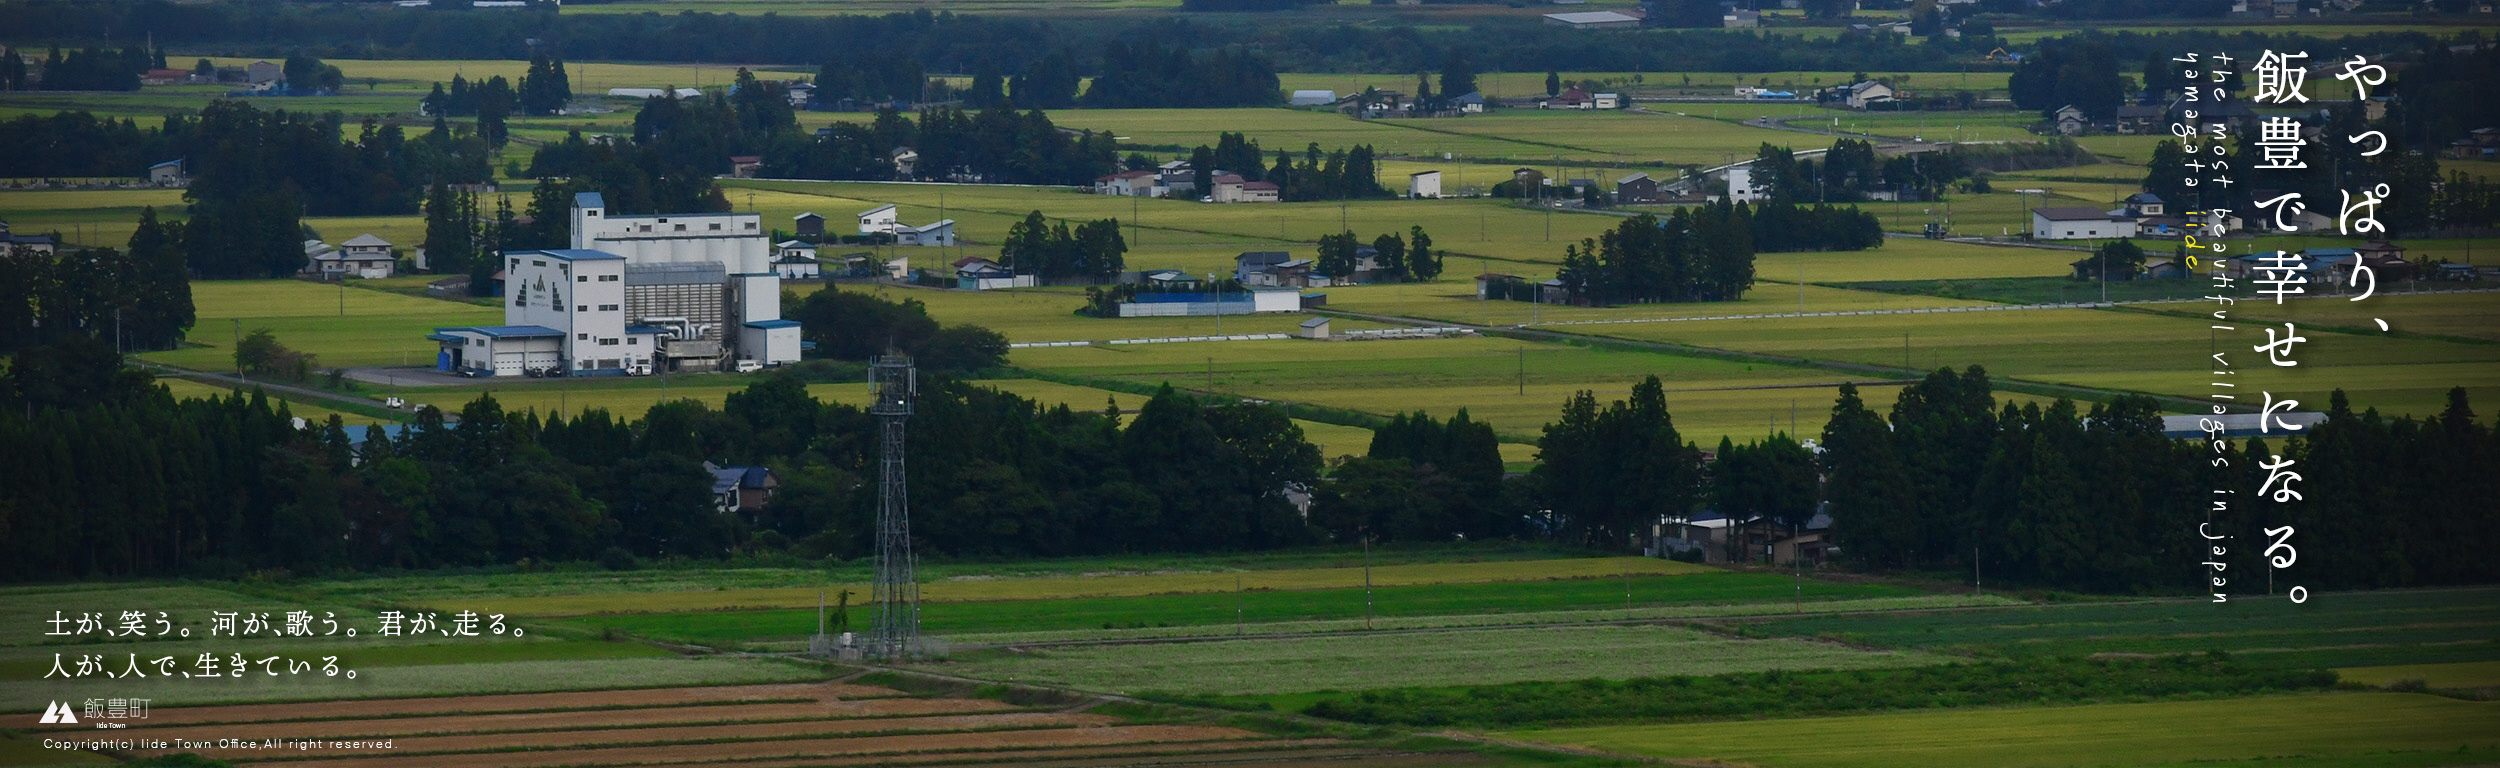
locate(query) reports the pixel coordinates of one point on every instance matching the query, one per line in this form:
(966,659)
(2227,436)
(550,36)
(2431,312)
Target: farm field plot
(586,77)
(1709,397)
(1483,227)
(1049,314)
(2333,630)
(2473,315)
(1590,615)
(2324,729)
(1116,585)
(2463,674)
(1976,125)
(1455,301)
(434,680)
(2071,346)
(386,328)
(92,217)
(1216,612)
(1912,259)
(1291,130)
(2003,210)
(1612,136)
(1488,656)
(2120,172)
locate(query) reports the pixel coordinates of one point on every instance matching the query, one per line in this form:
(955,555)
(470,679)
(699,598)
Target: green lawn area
(1356,662)
(2325,729)
(1049,314)
(376,328)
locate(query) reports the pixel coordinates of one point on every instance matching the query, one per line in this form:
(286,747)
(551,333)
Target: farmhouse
(808,224)
(1130,184)
(1226,188)
(2071,121)
(1636,188)
(1570,98)
(2135,119)
(796,260)
(741,489)
(362,256)
(1867,94)
(1260,192)
(745,166)
(1422,184)
(634,293)
(1469,103)
(1176,178)
(2078,223)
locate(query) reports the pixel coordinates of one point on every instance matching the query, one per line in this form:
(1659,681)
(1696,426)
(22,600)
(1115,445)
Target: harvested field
(946,727)
(958,743)
(519,702)
(869,711)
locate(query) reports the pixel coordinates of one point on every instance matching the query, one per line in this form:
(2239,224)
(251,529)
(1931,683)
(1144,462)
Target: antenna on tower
(896,637)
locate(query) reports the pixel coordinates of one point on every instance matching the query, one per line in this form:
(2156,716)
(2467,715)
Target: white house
(1607,100)
(364,256)
(940,233)
(1740,187)
(1422,184)
(2078,223)
(877,221)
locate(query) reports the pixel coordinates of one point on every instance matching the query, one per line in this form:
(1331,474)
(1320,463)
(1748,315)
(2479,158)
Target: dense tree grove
(80,144)
(87,69)
(143,294)
(1092,253)
(853,325)
(1603,475)
(1420,480)
(1698,254)
(1150,75)
(2079,70)
(255,173)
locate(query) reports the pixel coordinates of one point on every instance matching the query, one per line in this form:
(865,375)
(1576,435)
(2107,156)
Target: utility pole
(1236,605)
(238,348)
(1523,369)
(1905,351)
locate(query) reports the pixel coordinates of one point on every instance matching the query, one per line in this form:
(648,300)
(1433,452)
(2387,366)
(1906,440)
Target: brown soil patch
(514,702)
(800,748)
(575,719)
(688,733)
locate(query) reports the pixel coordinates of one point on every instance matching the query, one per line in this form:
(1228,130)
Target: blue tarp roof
(774,324)
(589,200)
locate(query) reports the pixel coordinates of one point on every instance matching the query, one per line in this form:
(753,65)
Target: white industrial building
(685,292)
(2078,223)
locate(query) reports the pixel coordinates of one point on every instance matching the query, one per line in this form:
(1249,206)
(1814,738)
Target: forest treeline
(1008,45)
(2064,496)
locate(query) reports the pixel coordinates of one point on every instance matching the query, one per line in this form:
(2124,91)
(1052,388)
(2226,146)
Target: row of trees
(959,42)
(856,326)
(77,143)
(1091,253)
(1342,174)
(140,297)
(1851,170)
(1396,259)
(997,145)
(86,69)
